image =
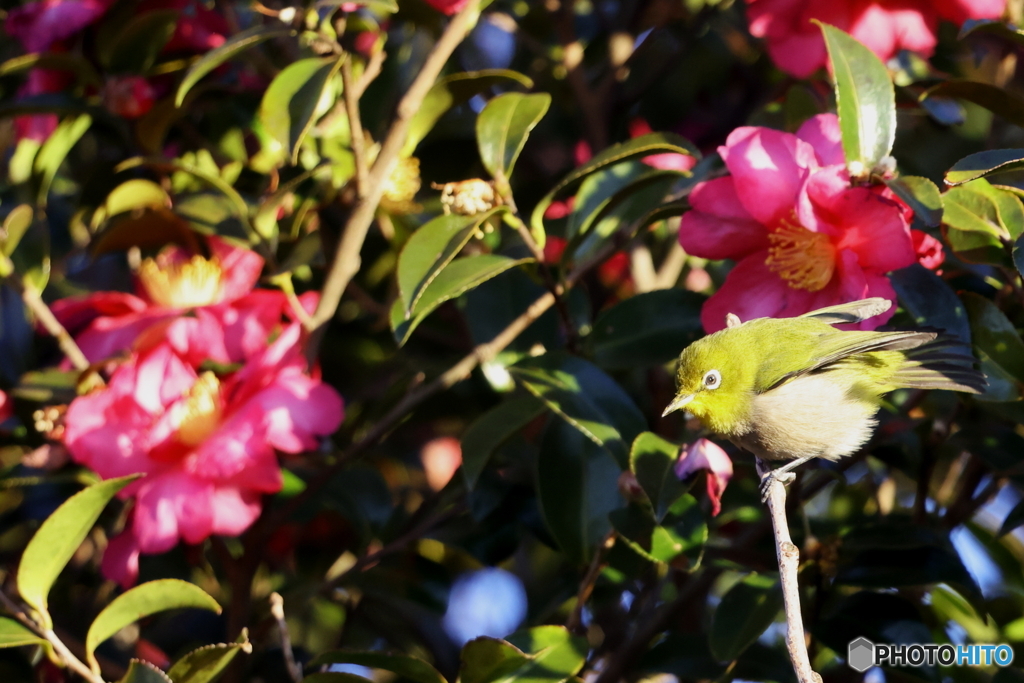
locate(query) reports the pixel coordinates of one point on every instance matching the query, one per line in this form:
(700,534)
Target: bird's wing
(836,346)
(852,312)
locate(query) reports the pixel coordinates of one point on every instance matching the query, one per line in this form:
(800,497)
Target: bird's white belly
(811,416)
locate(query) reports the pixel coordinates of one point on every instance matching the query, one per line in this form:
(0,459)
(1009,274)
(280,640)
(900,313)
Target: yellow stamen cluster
(186,284)
(404,182)
(468,197)
(201,411)
(804,259)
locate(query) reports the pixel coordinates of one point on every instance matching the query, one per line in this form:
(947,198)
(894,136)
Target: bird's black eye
(712,378)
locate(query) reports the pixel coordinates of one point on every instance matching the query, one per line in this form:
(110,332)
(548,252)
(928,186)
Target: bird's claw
(783,477)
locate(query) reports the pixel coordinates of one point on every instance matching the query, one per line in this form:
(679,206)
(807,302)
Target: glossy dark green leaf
(931,301)
(651,328)
(492,429)
(921,195)
(554,654)
(13,634)
(430,249)
(456,279)
(142,601)
(865,99)
(1018,254)
(652,459)
(503,127)
(991,26)
(597,190)
(977,221)
(143,672)
(55,61)
(205,664)
(577,486)
(295,99)
(55,150)
(453,90)
(644,145)
(486,660)
(983,163)
(586,398)
(997,100)
(745,611)
(58,538)
(231,48)
(136,46)
(894,552)
(999,348)
(682,531)
(405,666)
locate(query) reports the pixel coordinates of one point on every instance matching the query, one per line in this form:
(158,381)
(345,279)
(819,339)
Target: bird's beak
(677,403)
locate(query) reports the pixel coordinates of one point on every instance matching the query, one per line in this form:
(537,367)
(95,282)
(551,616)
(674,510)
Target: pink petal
(768,168)
(718,226)
(161,378)
(77,311)
(239,453)
(799,54)
(671,162)
(173,504)
(107,431)
(121,558)
(927,249)
(750,291)
(822,133)
(198,338)
(703,454)
(249,321)
(6,406)
(959,11)
(242,267)
(234,510)
(855,284)
(38,25)
(298,409)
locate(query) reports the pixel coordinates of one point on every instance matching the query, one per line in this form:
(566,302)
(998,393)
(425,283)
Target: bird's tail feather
(945,363)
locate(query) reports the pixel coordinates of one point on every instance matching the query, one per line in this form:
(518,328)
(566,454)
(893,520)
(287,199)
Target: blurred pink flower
(448,7)
(6,406)
(928,249)
(801,236)
(38,25)
(885,26)
(229,321)
(667,161)
(703,454)
(206,443)
(128,96)
(199,28)
(38,127)
(441,459)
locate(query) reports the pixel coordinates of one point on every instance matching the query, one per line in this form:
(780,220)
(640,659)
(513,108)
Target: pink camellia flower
(667,161)
(885,26)
(230,320)
(801,236)
(703,454)
(38,127)
(38,25)
(6,406)
(205,443)
(448,7)
(928,249)
(128,96)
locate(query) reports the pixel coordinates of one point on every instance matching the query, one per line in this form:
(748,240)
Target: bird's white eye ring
(712,379)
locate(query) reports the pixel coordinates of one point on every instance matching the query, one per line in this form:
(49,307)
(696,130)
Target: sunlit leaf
(231,48)
(13,634)
(983,163)
(205,664)
(503,127)
(144,672)
(56,61)
(921,195)
(295,99)
(55,150)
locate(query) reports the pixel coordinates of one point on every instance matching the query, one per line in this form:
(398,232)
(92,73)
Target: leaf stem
(277,610)
(355,124)
(789,563)
(45,317)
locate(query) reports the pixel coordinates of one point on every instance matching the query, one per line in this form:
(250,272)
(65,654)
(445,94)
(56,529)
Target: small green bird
(798,388)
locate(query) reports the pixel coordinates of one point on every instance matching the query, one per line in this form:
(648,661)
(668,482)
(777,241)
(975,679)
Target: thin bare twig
(589,580)
(789,563)
(72,662)
(277,611)
(355,124)
(45,316)
(347,257)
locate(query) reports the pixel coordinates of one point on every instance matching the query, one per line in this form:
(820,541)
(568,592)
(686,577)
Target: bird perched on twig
(798,388)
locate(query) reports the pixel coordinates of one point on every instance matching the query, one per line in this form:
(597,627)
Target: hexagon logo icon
(861,654)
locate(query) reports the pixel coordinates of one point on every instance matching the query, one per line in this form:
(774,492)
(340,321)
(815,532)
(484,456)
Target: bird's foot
(781,475)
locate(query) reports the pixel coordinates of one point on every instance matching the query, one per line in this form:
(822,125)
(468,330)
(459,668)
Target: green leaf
(142,601)
(231,48)
(577,486)
(683,531)
(983,163)
(13,634)
(585,397)
(997,100)
(999,348)
(430,249)
(645,145)
(553,654)
(136,46)
(58,538)
(979,219)
(647,329)
(56,61)
(950,606)
(16,224)
(455,280)
(55,150)
(206,663)
(132,195)
(992,26)
(651,460)
(295,99)
(492,429)
(1018,254)
(451,91)
(865,99)
(405,666)
(930,301)
(486,660)
(144,672)
(921,195)
(503,127)
(746,610)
